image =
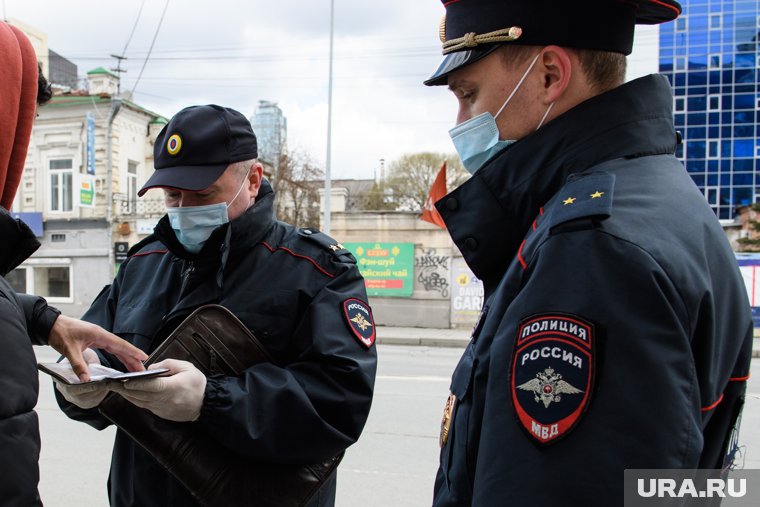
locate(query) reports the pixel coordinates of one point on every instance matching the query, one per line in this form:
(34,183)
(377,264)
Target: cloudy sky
(237,52)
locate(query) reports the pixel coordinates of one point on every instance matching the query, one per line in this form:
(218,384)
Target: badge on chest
(552,374)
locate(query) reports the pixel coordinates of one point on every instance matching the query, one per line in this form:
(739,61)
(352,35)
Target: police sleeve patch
(552,374)
(359,319)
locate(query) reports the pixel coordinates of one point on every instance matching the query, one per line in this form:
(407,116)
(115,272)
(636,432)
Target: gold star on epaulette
(569,200)
(596,194)
(336,247)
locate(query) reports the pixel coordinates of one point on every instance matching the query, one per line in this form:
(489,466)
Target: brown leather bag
(216,342)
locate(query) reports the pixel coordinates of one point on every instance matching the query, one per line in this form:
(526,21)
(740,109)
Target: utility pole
(118,70)
(115,106)
(328,182)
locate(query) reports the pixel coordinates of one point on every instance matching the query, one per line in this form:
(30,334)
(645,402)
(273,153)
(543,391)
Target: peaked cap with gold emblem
(472,29)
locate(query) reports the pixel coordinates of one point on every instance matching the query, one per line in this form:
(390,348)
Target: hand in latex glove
(72,336)
(85,395)
(178,397)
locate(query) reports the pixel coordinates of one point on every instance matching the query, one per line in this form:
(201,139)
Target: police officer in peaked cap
(616,330)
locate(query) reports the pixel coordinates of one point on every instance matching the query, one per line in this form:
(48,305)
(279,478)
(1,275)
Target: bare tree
(296,182)
(411,176)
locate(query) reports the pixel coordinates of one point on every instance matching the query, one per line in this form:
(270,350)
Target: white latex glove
(177,397)
(85,395)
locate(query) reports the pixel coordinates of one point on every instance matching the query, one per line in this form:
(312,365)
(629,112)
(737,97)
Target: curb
(459,343)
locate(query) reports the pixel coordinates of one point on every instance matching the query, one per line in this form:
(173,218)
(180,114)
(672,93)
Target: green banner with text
(387,268)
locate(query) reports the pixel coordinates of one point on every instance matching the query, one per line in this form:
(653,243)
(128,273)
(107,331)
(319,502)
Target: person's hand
(85,395)
(71,337)
(178,397)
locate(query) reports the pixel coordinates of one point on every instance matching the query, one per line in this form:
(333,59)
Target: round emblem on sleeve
(359,319)
(174,144)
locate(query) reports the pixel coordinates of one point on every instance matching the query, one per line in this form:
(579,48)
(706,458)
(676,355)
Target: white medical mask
(193,225)
(477,139)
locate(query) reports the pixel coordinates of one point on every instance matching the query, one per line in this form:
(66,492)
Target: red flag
(437,191)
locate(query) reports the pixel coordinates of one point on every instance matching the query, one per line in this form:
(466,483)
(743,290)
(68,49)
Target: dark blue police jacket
(300,293)
(616,331)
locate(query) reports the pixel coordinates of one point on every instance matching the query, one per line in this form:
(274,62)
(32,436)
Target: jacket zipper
(185,277)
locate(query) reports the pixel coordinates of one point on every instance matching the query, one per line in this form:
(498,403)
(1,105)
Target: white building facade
(89,154)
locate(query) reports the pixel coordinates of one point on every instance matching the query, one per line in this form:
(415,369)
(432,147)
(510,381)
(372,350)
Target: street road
(393,464)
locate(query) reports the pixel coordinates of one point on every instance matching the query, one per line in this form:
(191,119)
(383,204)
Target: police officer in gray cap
(616,331)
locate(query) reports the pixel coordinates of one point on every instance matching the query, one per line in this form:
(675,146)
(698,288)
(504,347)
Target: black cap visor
(192,178)
(456,60)
(654,12)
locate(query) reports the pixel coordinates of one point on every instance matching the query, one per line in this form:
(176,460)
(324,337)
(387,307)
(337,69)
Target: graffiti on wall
(433,271)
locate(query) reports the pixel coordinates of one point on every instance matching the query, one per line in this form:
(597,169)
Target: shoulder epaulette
(327,243)
(586,195)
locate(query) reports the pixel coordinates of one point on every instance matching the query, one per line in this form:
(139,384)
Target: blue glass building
(710,55)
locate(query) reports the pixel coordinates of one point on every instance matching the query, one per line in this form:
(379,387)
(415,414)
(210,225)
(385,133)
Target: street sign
(387,268)
(120,249)
(90,144)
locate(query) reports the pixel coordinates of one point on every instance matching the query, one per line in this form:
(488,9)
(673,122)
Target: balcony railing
(138,208)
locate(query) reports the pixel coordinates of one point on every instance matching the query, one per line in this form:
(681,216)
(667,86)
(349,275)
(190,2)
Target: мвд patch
(552,374)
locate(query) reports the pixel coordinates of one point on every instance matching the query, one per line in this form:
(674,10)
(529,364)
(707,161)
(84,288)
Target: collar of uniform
(489,215)
(19,242)
(250,227)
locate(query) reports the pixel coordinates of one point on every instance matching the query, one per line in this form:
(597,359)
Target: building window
(715,21)
(681,104)
(713,103)
(715,60)
(712,194)
(61,176)
(42,278)
(713,149)
(682,24)
(131,186)
(680,63)
(57,238)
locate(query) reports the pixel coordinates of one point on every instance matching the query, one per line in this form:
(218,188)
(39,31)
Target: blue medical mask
(477,139)
(194,224)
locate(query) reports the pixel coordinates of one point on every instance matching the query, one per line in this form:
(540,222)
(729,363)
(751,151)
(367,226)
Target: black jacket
(24,320)
(290,287)
(616,331)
